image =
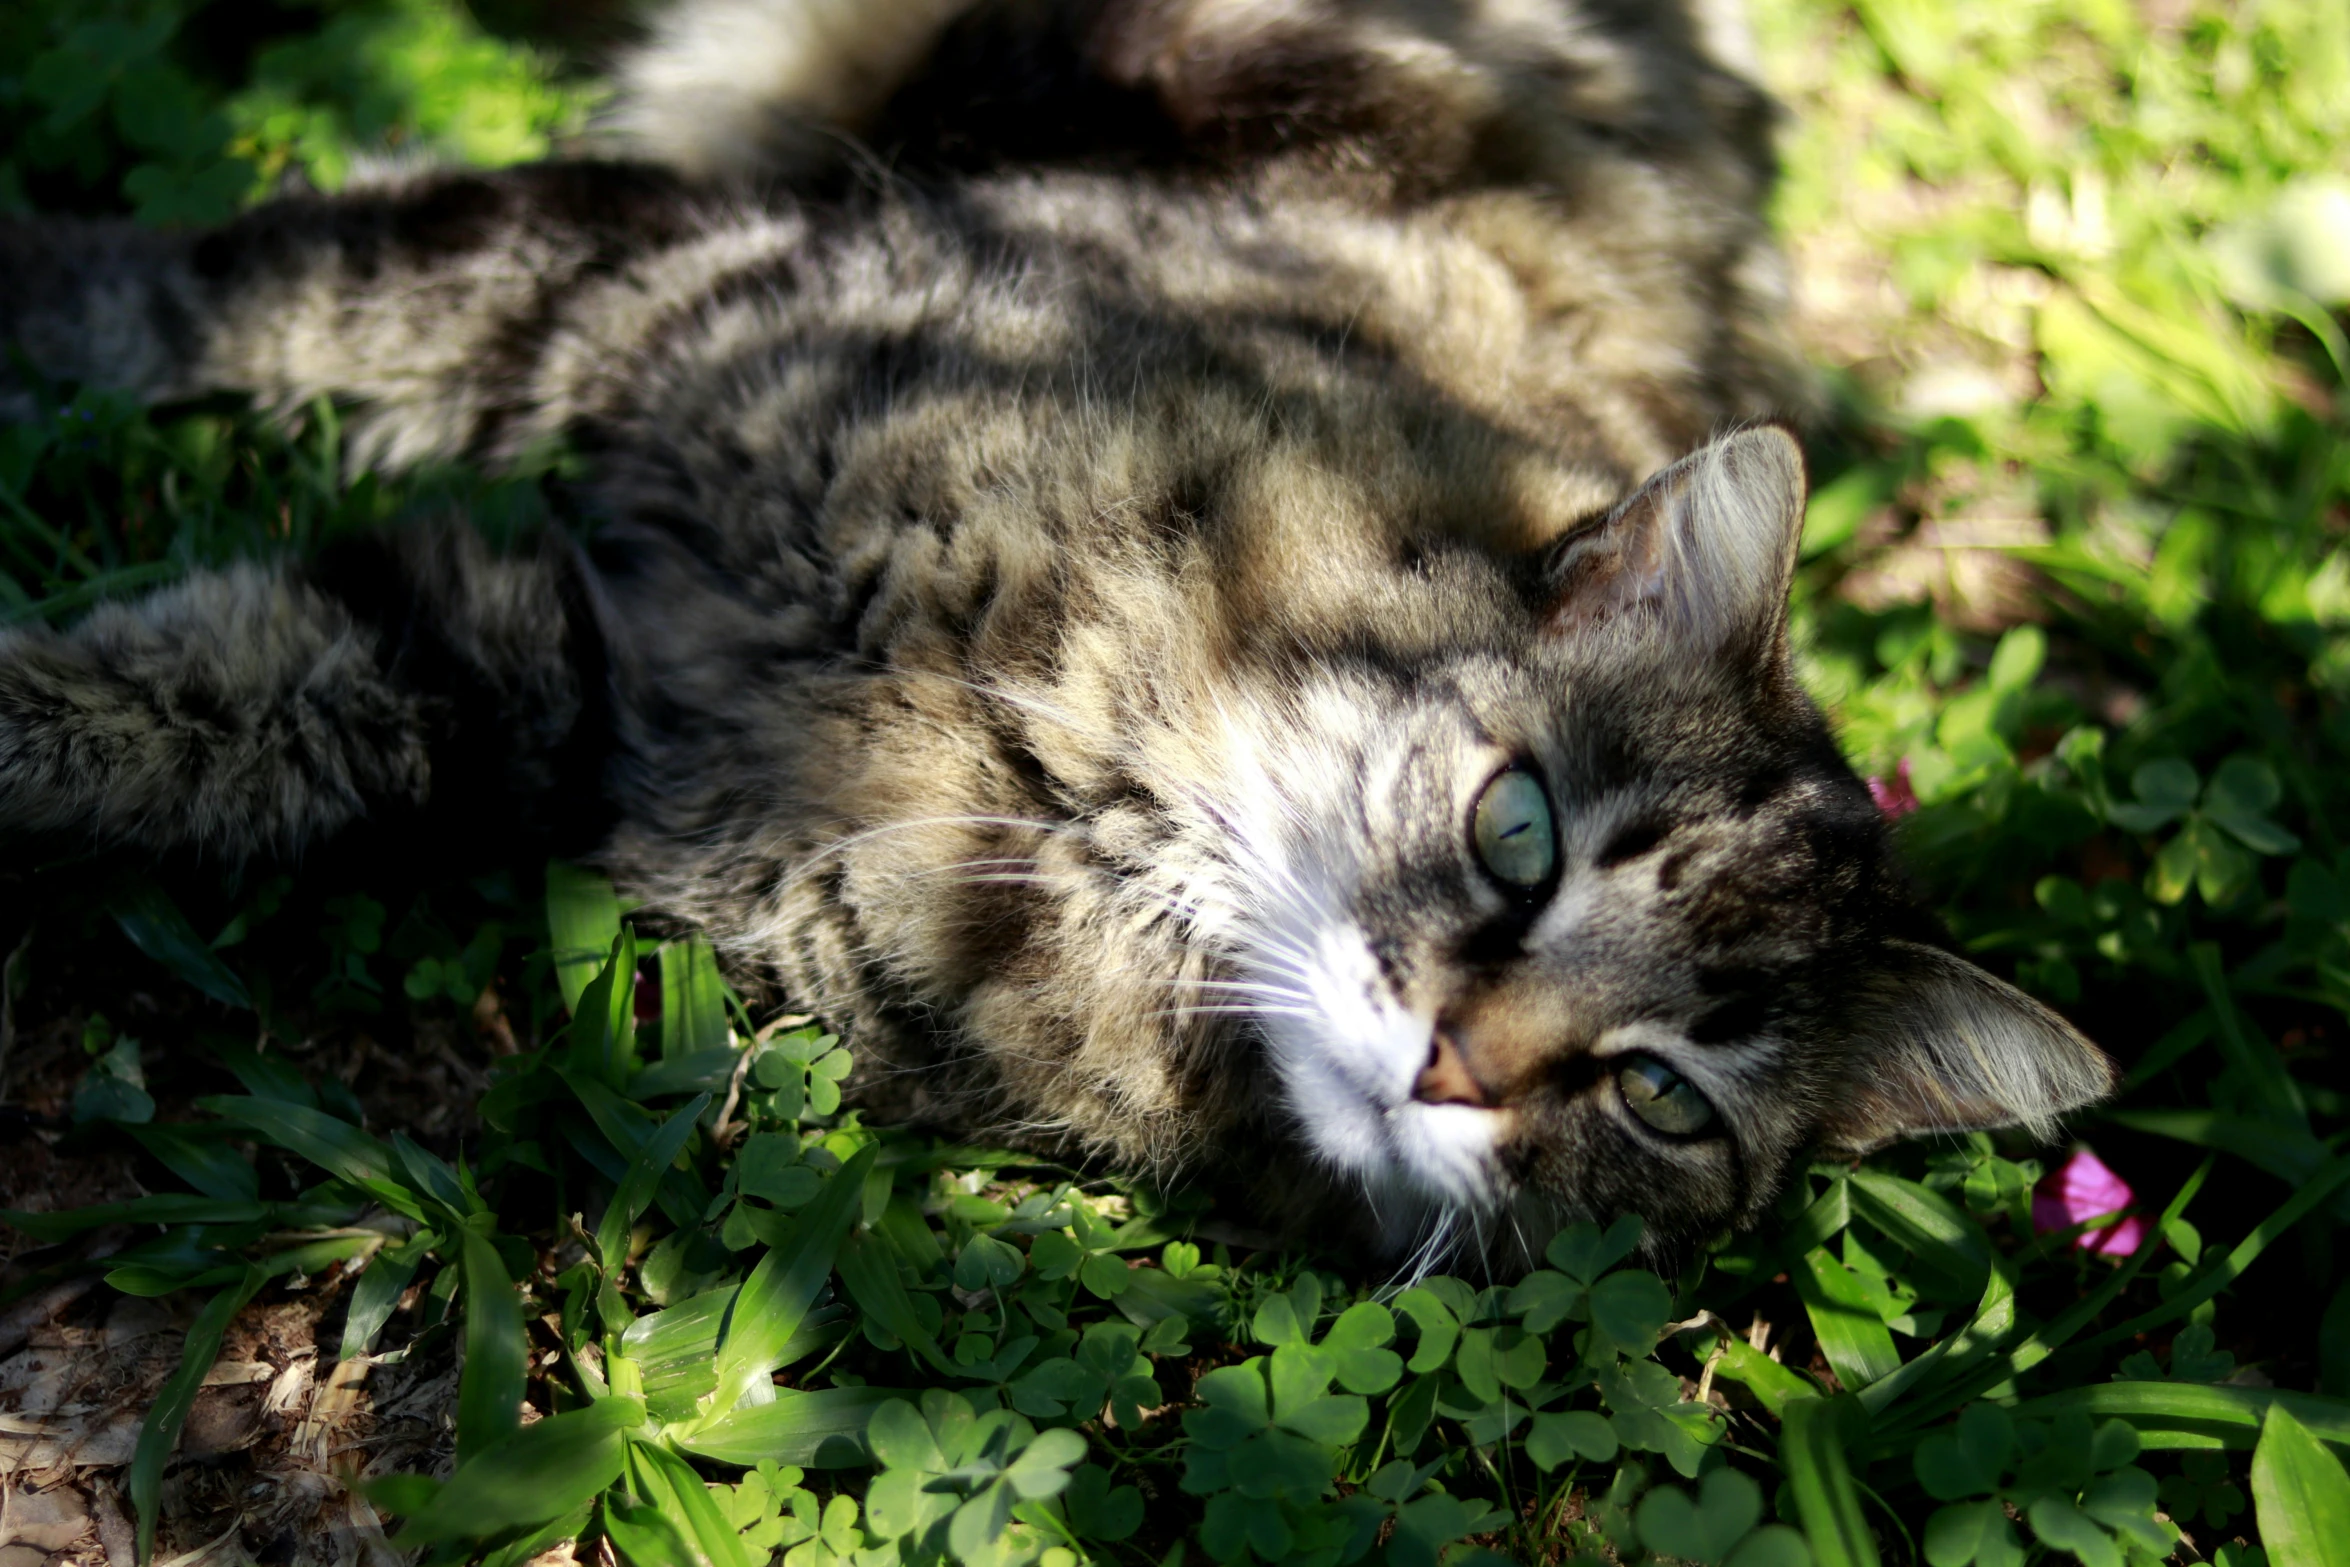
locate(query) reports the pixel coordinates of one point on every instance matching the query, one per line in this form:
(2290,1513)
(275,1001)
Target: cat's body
(1064,604)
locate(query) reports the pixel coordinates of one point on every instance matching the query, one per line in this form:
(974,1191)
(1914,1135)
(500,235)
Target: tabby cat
(1206,578)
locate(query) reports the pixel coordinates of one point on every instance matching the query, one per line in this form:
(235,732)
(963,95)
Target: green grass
(2075,569)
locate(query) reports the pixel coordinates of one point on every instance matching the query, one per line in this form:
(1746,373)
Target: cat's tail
(261,710)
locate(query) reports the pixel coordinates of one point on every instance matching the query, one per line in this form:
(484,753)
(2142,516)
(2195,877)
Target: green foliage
(132,100)
(2074,1486)
(2304,1496)
(2102,399)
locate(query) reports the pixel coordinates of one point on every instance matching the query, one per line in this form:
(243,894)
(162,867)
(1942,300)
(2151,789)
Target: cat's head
(1598,920)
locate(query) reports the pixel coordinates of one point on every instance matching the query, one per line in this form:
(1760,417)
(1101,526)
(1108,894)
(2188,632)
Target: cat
(1207,579)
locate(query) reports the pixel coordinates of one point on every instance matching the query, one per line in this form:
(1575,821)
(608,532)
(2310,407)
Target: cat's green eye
(1513,831)
(1663,1097)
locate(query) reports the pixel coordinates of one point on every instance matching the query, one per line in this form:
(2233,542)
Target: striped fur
(1085,495)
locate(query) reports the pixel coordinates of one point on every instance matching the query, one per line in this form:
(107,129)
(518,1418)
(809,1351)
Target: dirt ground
(279,1430)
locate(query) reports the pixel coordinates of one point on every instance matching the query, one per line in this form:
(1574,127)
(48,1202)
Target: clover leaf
(1629,1307)
(952,1476)
(1098,1510)
(1269,1427)
(1440,1327)
(1648,1414)
(2221,821)
(1556,1438)
(1721,1524)
(837,1540)
(802,1070)
(1357,1346)
(2204,1487)
(1106,1367)
(2166,791)
(2073,1483)
(1086,1249)
(1491,1359)
(769,1508)
(1968,1459)
(1972,1532)
(1289,1318)
(1583,1251)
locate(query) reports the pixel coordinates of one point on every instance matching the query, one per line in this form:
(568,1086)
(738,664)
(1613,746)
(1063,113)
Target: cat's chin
(1459,1219)
(1431,1176)
(1448,1154)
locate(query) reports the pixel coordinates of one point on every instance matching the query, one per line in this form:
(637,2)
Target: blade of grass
(2290,1156)
(310,1257)
(1941,1238)
(167,1208)
(529,1547)
(206,1163)
(823,1430)
(160,1432)
(676,1350)
(711,1069)
(645,1536)
(489,1391)
(1851,1334)
(2168,1051)
(2256,1059)
(1993,1320)
(868,1265)
(335,1146)
(266,1077)
(2300,1495)
(644,1176)
(768,1308)
(670,1484)
(627,1127)
(2241,1256)
(602,1040)
(2038,1346)
(33,522)
(538,1473)
(120,582)
(1812,1442)
(156,927)
(693,1000)
(2191,1414)
(1773,1385)
(583,921)
(378,1291)
(1822,1221)
(430,1174)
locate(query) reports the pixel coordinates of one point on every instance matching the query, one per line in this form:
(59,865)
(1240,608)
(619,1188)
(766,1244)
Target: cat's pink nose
(1446,1079)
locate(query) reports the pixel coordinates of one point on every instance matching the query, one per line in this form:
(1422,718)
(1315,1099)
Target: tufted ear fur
(1697,562)
(1941,1046)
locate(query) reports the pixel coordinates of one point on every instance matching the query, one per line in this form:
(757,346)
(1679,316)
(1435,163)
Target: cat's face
(1604,923)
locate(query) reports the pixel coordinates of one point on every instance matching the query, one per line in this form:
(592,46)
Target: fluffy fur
(1064,567)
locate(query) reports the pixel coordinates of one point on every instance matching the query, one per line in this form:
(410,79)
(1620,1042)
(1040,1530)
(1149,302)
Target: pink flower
(2082,1189)
(1895,798)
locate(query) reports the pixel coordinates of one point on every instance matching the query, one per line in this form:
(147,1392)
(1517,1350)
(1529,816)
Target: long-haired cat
(1206,578)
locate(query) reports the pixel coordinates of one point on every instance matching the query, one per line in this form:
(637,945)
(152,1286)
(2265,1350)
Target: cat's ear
(1941,1046)
(1697,562)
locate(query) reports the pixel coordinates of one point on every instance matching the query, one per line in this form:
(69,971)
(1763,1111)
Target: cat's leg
(262,709)
(426,301)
